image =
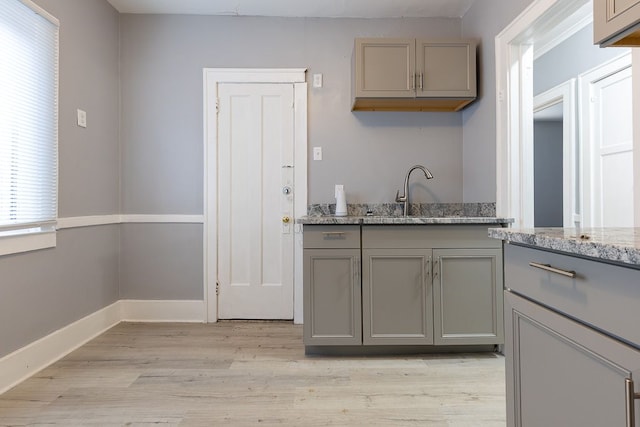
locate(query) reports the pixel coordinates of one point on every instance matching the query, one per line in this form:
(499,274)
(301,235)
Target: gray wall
(547,166)
(369,152)
(45,290)
(572,57)
(484,21)
(162,61)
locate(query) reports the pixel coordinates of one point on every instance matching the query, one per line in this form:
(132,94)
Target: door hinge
(217,288)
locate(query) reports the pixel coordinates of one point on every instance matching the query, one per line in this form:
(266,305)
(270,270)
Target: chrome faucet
(405,196)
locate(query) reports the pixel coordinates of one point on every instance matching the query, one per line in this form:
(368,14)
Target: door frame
(546,23)
(211,78)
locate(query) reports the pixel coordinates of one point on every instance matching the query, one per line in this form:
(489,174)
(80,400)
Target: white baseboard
(162,311)
(29,360)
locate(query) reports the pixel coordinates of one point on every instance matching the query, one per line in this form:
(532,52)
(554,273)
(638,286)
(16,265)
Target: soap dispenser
(341,201)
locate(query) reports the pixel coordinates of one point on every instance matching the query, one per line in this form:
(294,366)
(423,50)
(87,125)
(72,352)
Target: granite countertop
(397,220)
(620,245)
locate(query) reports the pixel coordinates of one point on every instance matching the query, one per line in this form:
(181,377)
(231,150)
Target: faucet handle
(399,198)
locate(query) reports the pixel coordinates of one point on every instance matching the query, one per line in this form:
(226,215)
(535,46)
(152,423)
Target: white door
(255,201)
(608,148)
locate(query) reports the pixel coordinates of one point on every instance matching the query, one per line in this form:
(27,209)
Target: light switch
(317,153)
(317,80)
(82,118)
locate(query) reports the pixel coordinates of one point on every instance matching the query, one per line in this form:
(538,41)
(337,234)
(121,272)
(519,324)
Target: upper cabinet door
(446,68)
(616,22)
(385,68)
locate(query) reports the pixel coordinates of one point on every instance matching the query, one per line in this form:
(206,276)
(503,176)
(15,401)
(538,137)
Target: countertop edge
(384,220)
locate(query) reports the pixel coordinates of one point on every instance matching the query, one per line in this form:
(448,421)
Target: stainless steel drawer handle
(631,398)
(333,233)
(547,267)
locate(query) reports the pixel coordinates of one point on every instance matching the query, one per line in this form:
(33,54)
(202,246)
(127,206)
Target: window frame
(38,235)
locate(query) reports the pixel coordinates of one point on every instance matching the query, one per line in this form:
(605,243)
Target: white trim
(27,361)
(32,358)
(563,31)
(211,78)
(515,97)
(87,221)
(21,243)
(162,311)
(95,220)
(565,93)
(40,11)
(179,219)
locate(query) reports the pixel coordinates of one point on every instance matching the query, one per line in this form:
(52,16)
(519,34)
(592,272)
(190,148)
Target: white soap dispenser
(341,201)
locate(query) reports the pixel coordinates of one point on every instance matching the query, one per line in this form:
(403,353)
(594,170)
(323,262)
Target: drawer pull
(547,267)
(333,234)
(631,398)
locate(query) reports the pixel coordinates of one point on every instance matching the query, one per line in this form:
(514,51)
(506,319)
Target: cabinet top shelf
(619,245)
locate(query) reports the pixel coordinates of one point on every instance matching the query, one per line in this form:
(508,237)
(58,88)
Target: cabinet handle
(421,81)
(427,268)
(333,233)
(412,81)
(356,269)
(631,400)
(547,267)
(436,268)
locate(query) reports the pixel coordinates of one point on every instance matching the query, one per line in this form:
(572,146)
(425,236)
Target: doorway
(542,21)
(255,186)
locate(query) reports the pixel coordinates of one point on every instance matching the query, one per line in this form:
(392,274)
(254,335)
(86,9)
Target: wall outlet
(82,118)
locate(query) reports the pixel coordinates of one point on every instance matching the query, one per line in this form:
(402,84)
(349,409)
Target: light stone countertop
(621,245)
(397,220)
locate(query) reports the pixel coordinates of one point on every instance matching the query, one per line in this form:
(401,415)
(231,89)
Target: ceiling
(301,8)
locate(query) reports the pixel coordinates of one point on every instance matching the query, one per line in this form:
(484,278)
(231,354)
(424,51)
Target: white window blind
(28,119)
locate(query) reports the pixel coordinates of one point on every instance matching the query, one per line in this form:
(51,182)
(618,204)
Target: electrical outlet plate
(82,118)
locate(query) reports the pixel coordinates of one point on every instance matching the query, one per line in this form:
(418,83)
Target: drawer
(604,296)
(331,236)
(427,236)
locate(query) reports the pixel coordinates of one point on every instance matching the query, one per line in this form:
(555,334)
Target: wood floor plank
(251,373)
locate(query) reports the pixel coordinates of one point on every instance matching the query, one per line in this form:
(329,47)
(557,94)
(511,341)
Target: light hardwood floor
(251,373)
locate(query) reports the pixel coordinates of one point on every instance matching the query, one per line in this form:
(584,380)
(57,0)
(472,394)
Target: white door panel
(255,245)
(607,145)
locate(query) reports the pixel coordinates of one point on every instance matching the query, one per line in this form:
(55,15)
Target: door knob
(286,190)
(286,219)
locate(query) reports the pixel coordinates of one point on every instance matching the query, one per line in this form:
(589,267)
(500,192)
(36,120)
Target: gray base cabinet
(402,286)
(332,291)
(562,373)
(397,297)
(572,342)
(468,303)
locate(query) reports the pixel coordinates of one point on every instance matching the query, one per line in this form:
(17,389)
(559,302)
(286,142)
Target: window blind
(28,118)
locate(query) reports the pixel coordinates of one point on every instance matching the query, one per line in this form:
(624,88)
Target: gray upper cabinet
(332,292)
(616,22)
(413,75)
(468,298)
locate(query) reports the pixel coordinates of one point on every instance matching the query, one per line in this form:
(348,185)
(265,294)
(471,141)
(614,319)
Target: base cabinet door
(332,295)
(397,297)
(467,289)
(563,373)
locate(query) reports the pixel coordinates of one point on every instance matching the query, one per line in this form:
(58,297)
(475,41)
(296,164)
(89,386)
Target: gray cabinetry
(431,285)
(332,291)
(397,296)
(616,22)
(413,75)
(571,340)
(468,299)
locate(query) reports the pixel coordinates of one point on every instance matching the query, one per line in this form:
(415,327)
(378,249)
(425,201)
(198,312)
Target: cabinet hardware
(333,233)
(631,396)
(412,81)
(427,268)
(421,81)
(549,268)
(436,268)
